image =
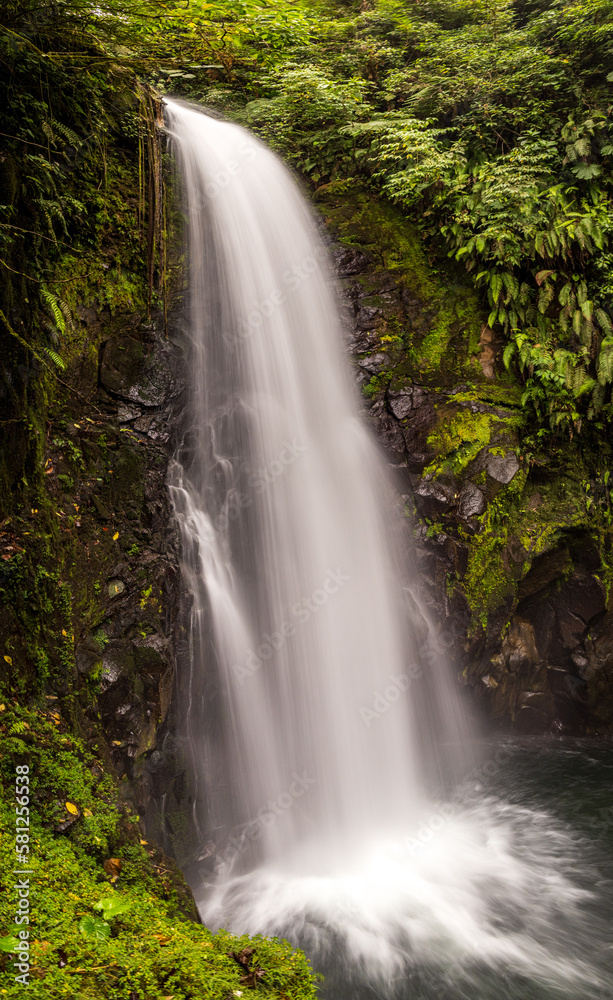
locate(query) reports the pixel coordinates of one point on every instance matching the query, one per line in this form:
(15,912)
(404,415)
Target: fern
(57,360)
(54,306)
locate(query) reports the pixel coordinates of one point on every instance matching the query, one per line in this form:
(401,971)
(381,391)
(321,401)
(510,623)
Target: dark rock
(362,341)
(544,570)
(388,431)
(88,656)
(367,317)
(502,468)
(471,502)
(373,363)
(133,373)
(401,403)
(433,499)
(348,261)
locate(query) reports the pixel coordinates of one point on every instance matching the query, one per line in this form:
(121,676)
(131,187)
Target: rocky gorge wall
(514,548)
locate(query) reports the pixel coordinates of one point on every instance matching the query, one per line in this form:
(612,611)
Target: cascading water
(324,731)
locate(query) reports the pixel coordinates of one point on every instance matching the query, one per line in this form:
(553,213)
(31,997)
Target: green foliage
(488,124)
(87,938)
(95,929)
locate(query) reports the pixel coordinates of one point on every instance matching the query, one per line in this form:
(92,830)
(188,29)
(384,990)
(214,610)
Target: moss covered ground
(109,916)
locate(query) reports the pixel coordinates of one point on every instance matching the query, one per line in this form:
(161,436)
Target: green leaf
(112,906)
(587,171)
(54,306)
(507,354)
(9,944)
(53,356)
(94,929)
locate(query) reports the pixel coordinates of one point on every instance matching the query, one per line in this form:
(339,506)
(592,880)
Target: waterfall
(323,725)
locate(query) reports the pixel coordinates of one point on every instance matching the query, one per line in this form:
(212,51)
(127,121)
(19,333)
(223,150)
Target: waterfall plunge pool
(503,892)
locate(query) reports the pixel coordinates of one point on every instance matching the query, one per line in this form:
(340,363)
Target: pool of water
(503,890)
(550,911)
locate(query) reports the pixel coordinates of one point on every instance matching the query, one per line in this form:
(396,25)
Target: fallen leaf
(8,660)
(2,708)
(116,743)
(72,809)
(112,867)
(142,841)
(88,813)
(64,632)
(115,536)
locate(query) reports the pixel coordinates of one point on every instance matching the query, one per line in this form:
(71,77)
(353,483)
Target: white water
(318,708)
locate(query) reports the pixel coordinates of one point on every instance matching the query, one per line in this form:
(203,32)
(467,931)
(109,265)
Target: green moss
(374,226)
(490,577)
(459,317)
(377,384)
(520,523)
(151,950)
(458,438)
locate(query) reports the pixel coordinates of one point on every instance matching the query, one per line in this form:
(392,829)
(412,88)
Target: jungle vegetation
(487,121)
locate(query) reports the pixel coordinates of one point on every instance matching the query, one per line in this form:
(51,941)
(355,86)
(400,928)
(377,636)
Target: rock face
(91,571)
(512,547)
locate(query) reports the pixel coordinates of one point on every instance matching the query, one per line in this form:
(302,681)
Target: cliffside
(514,546)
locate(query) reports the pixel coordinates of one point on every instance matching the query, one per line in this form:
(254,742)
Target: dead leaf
(112,867)
(72,809)
(8,660)
(115,536)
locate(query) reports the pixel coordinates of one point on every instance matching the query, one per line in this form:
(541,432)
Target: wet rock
(502,468)
(137,373)
(373,363)
(401,403)
(363,340)
(348,261)
(367,317)
(433,499)
(471,501)
(544,570)
(88,656)
(388,431)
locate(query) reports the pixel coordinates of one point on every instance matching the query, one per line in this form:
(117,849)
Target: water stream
(335,781)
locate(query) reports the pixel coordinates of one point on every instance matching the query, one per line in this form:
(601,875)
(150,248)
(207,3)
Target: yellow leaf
(115,536)
(116,743)
(2,708)
(72,809)
(8,660)
(64,632)
(142,841)
(88,813)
